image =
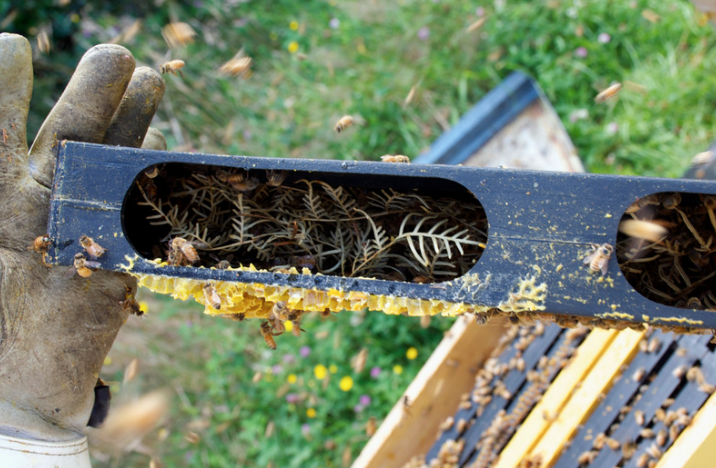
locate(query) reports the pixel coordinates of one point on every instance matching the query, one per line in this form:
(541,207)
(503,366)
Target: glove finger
(154,140)
(15,93)
(135,113)
(85,109)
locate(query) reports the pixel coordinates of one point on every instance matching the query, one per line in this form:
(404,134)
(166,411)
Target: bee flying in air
(608,93)
(173,67)
(178,34)
(82,266)
(599,259)
(343,123)
(43,42)
(239,65)
(91,247)
(398,158)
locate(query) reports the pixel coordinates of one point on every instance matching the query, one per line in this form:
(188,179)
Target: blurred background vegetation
(235,402)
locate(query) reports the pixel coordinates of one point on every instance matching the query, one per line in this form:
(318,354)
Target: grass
(363,58)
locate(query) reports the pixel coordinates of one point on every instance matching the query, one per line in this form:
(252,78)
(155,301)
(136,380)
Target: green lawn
(315,61)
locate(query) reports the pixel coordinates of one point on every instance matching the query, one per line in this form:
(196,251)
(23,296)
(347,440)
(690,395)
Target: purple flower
(289,358)
(604,38)
(276,369)
(334,23)
(581,52)
(291,398)
(304,351)
(305,429)
(375,372)
(423,33)
(480,12)
(364,400)
(358,408)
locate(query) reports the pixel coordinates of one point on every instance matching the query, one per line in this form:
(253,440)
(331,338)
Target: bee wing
(588,258)
(603,265)
(92,265)
(70,272)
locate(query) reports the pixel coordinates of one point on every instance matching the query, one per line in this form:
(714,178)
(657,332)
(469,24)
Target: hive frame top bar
(541,226)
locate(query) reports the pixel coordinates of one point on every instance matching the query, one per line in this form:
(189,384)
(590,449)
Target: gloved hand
(55,332)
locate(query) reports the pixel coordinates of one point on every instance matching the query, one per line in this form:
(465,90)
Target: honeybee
(41,244)
(43,42)
(398,158)
(476,25)
(654,451)
(587,457)
(643,229)
(275,178)
(178,34)
(410,96)
(653,346)
(239,65)
(639,417)
(212,297)
(173,67)
(359,360)
(245,185)
(152,172)
(613,443)
(661,437)
(82,266)
(276,317)
(93,249)
(672,201)
(628,449)
(447,424)
(343,123)
(183,248)
(608,93)
(130,302)
(642,460)
(638,374)
(266,333)
(647,433)
(599,259)
(223,265)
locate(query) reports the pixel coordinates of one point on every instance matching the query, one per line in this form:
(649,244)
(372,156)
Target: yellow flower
(332,368)
(293,46)
(107,361)
(291,378)
(293,25)
(398,369)
(311,413)
(346,383)
(288,325)
(412,353)
(320,371)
